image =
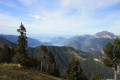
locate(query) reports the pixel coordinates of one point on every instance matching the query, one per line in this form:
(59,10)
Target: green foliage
(112,52)
(62,56)
(5,54)
(43,49)
(107,62)
(95,76)
(42,56)
(52,65)
(50,58)
(21,52)
(22,42)
(43,53)
(19,58)
(74,71)
(112,58)
(26,61)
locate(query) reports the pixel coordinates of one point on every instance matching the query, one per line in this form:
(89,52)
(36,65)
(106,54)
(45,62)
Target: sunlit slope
(16,72)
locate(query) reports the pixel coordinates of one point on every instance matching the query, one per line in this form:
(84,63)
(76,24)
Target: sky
(60,17)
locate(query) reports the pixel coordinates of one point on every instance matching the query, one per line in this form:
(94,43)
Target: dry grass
(15,72)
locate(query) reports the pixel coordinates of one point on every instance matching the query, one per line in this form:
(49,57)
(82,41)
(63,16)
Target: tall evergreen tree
(52,65)
(112,52)
(42,55)
(12,52)
(20,51)
(74,70)
(95,76)
(22,40)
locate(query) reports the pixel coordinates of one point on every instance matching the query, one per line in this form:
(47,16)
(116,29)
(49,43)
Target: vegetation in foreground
(16,72)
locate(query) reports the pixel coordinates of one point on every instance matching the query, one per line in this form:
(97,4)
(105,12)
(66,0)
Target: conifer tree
(20,51)
(112,58)
(22,40)
(74,70)
(52,65)
(42,55)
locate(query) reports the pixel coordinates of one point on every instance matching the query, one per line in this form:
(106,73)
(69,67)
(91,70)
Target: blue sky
(60,17)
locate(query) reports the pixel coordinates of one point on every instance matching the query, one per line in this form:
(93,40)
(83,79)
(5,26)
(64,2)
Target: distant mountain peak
(105,34)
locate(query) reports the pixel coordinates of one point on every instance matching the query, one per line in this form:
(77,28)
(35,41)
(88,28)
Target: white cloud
(7,21)
(57,21)
(89,3)
(34,16)
(66,2)
(28,2)
(87,7)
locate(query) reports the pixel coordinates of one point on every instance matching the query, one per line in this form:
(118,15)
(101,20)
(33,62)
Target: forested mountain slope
(89,61)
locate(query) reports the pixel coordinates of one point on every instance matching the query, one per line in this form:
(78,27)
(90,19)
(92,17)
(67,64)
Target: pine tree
(42,55)
(22,41)
(74,70)
(20,51)
(52,65)
(95,76)
(12,52)
(112,52)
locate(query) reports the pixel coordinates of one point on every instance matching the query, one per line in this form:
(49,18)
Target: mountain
(13,39)
(76,42)
(105,34)
(91,43)
(4,41)
(89,61)
(98,41)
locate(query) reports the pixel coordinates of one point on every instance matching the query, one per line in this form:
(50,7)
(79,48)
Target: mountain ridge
(13,38)
(4,41)
(91,43)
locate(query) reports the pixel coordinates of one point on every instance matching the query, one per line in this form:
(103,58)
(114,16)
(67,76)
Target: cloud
(8,24)
(28,2)
(63,16)
(8,21)
(34,16)
(87,8)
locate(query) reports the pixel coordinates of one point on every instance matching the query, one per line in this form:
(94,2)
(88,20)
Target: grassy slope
(15,72)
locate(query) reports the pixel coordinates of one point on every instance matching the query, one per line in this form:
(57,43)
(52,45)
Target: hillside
(88,60)
(76,41)
(16,72)
(4,41)
(12,38)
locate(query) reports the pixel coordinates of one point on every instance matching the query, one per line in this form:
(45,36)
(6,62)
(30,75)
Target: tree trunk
(115,72)
(47,67)
(41,66)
